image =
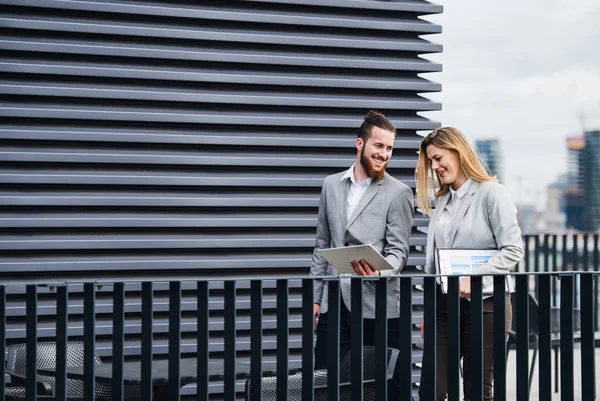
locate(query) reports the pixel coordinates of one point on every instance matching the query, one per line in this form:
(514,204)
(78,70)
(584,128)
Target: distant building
(591,181)
(573,195)
(489,150)
(554,213)
(528,219)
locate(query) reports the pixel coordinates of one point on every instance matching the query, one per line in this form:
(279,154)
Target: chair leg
(535,351)
(556,370)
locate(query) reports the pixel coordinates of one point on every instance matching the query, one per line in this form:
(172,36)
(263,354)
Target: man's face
(375,153)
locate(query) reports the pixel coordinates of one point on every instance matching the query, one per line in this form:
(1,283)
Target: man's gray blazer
(383,218)
(487,219)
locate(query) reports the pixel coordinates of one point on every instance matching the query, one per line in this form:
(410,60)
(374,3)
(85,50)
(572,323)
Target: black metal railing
(563,253)
(189,375)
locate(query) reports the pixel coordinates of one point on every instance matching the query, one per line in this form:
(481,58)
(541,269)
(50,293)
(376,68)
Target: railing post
(406,325)
(175,339)
(203,316)
(527,253)
(147,329)
(554,266)
(381,339)
(546,253)
(585,255)
(118,340)
(429,357)
(357,338)
(588,367)
(545,343)
(575,251)
(230,340)
(477,338)
(307,341)
(333,341)
(596,268)
(565,254)
(89,340)
(31,341)
(500,337)
(2,340)
(454,343)
(522,329)
(566,337)
(536,264)
(61,342)
(282,339)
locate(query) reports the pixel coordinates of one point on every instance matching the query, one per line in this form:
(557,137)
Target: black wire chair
(269,383)
(46,359)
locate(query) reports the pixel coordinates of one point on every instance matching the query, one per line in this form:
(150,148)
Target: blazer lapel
(463,209)
(344,188)
(364,201)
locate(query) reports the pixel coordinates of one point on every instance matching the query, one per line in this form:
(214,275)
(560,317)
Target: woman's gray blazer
(486,220)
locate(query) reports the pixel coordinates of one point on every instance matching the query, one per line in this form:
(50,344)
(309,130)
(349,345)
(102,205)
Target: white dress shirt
(442,228)
(355,192)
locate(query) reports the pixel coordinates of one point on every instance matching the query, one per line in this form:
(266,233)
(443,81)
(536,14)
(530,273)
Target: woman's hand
(464,287)
(423,328)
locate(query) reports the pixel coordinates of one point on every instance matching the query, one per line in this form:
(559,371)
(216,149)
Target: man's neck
(360,175)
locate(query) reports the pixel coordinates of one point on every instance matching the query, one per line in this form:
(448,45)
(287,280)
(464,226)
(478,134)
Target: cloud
(523,72)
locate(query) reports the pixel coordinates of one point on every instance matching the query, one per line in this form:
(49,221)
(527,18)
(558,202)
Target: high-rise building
(554,213)
(489,150)
(573,195)
(591,181)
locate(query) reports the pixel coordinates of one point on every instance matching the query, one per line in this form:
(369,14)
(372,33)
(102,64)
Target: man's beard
(367,165)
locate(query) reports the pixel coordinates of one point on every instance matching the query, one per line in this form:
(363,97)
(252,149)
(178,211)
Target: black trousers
(368,339)
(465,347)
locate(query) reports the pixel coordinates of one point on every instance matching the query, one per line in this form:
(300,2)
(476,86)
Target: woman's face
(446,164)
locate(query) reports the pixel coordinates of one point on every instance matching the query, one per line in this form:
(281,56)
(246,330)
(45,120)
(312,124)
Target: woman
(473,212)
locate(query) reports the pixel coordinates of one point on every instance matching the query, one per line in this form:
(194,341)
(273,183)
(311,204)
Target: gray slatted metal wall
(173,135)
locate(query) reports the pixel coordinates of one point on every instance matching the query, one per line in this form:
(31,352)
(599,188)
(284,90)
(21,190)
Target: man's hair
(374,119)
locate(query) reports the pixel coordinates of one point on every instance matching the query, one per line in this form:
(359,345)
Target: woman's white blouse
(442,228)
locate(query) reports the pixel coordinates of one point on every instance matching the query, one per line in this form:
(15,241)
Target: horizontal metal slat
(98,243)
(249,15)
(264,37)
(207,56)
(150,136)
(123,242)
(221,97)
(98,113)
(141,201)
(421,7)
(272,265)
(196,159)
(140,179)
(156,220)
(227,76)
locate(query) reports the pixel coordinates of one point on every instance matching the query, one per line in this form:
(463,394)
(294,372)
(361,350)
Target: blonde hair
(452,139)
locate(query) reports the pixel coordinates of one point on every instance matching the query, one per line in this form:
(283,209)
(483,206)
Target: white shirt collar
(462,191)
(350,174)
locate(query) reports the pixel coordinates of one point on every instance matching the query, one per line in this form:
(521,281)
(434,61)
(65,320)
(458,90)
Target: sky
(525,72)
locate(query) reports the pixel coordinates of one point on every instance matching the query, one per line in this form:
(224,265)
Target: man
(363,205)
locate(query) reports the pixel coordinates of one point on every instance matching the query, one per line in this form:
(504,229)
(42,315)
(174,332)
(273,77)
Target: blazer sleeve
(397,234)
(502,215)
(318,266)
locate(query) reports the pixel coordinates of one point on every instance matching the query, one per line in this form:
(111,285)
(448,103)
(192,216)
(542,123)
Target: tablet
(341,258)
